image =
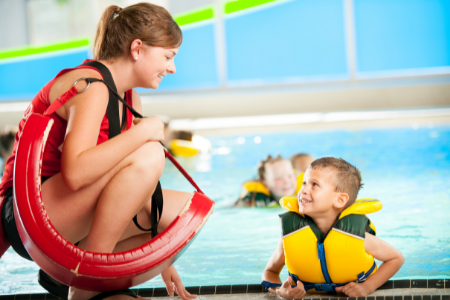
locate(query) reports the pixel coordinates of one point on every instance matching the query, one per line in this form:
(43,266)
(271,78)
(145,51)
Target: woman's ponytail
(101,31)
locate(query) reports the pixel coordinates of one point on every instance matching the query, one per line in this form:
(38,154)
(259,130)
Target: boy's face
(280,178)
(318,196)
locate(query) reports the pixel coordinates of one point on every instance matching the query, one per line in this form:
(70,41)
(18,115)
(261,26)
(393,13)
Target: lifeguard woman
(93,185)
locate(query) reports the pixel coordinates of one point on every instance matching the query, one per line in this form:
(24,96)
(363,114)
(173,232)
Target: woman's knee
(149,159)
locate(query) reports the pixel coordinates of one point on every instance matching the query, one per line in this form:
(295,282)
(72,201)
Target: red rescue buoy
(74,266)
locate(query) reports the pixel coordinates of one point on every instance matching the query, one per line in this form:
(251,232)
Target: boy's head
(277,174)
(329,184)
(301,161)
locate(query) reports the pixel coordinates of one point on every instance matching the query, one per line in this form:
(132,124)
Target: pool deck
(382,294)
(402,294)
(421,289)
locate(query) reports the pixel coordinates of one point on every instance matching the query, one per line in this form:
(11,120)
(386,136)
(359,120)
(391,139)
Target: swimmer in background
(183,142)
(6,145)
(276,179)
(300,162)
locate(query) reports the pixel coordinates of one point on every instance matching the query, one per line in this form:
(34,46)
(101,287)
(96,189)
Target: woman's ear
(136,49)
(341,201)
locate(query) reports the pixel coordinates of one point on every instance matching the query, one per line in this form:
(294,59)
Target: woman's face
(280,178)
(153,64)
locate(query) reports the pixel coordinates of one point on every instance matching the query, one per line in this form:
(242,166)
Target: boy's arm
(275,265)
(392,262)
(272,274)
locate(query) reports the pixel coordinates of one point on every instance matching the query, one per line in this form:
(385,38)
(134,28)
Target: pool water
(408,169)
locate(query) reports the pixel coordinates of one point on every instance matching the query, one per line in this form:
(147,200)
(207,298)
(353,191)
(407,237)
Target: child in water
(276,179)
(328,243)
(301,162)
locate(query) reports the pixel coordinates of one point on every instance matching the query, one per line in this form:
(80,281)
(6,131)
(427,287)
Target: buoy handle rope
(138,115)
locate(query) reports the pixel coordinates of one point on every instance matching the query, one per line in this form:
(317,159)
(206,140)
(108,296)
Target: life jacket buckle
(325,287)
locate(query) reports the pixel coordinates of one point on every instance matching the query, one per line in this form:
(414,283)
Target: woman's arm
(83,162)
(392,262)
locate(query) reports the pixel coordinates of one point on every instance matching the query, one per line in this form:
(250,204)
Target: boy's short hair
(347,179)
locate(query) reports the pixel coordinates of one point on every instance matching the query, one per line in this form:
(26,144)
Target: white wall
(13,24)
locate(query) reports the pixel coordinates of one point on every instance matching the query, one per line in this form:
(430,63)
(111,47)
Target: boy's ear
(341,201)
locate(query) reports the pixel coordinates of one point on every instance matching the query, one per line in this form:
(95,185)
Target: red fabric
(61,100)
(51,164)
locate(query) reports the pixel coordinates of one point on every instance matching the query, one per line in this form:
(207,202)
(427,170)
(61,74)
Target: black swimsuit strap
(115,129)
(113,105)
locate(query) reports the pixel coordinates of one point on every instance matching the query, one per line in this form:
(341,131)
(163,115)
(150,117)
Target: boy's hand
(173,284)
(354,289)
(288,292)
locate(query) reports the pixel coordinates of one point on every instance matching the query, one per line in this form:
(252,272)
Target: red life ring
(74,266)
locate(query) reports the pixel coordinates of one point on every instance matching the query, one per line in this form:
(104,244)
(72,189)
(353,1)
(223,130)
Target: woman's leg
(132,237)
(113,199)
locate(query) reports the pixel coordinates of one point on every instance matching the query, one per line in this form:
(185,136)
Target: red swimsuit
(51,163)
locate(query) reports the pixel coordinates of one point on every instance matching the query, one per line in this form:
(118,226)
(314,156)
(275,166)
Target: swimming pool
(408,169)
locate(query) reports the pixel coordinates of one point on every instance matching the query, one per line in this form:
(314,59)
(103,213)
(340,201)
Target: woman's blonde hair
(118,28)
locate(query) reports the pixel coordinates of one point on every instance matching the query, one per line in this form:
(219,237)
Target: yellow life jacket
(325,262)
(183,148)
(299,182)
(190,148)
(256,191)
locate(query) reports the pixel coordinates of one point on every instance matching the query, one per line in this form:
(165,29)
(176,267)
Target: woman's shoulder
(64,82)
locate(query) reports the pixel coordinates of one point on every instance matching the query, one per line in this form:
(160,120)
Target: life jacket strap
(323,262)
(267,285)
(330,287)
(319,287)
(363,276)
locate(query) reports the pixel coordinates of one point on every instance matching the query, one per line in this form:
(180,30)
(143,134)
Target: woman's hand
(288,292)
(173,284)
(153,127)
(354,289)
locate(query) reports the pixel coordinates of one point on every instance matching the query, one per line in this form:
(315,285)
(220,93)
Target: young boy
(328,244)
(276,179)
